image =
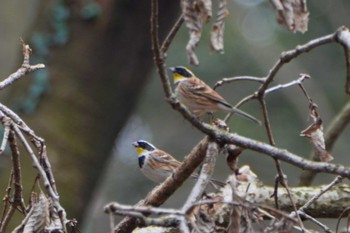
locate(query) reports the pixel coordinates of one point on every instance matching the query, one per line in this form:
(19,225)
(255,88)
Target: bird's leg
(198,115)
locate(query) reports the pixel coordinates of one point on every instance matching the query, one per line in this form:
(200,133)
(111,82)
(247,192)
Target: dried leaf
(315,134)
(246,175)
(194,22)
(217,31)
(210,217)
(205,9)
(38,217)
(196,14)
(55,221)
(292,14)
(232,152)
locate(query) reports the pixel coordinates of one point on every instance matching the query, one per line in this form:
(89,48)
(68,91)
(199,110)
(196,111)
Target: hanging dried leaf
(315,134)
(232,152)
(55,221)
(292,14)
(205,9)
(196,13)
(217,31)
(37,219)
(194,22)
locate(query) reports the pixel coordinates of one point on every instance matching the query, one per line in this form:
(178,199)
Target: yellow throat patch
(177,77)
(139,150)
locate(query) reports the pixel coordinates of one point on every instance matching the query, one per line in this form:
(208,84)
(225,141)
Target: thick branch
(334,200)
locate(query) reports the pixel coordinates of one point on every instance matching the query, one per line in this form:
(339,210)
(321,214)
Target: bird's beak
(135,144)
(172,69)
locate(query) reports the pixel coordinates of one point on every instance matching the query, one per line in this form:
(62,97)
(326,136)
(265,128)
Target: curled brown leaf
(316,136)
(196,13)
(217,31)
(292,14)
(194,22)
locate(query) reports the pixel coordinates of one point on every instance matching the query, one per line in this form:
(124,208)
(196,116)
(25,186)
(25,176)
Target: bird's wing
(165,159)
(198,87)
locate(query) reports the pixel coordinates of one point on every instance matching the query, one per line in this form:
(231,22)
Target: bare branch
(204,177)
(119,209)
(157,52)
(343,37)
(6,124)
(292,54)
(23,70)
(240,78)
(18,200)
(299,81)
(166,43)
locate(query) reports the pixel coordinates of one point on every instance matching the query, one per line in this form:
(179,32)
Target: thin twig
(37,165)
(7,219)
(336,181)
(17,174)
(167,41)
(6,201)
(158,54)
(6,124)
(292,54)
(323,226)
(204,177)
(23,70)
(240,78)
(343,38)
(299,81)
(50,190)
(267,121)
(119,209)
(44,161)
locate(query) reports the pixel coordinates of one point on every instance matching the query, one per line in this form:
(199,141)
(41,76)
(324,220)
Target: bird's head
(142,146)
(180,73)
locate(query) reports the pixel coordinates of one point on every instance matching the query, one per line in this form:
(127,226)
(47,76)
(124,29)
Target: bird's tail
(246,115)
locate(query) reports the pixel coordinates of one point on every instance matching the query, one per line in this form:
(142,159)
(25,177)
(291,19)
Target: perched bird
(198,97)
(157,165)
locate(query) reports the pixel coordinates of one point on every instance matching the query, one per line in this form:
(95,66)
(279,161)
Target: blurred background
(100,91)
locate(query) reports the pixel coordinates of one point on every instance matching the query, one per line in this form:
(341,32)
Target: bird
(154,163)
(157,165)
(198,97)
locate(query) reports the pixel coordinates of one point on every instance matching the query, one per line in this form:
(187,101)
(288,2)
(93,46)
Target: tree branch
(23,70)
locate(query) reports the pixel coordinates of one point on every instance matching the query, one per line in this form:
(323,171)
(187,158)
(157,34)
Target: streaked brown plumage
(198,97)
(157,165)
